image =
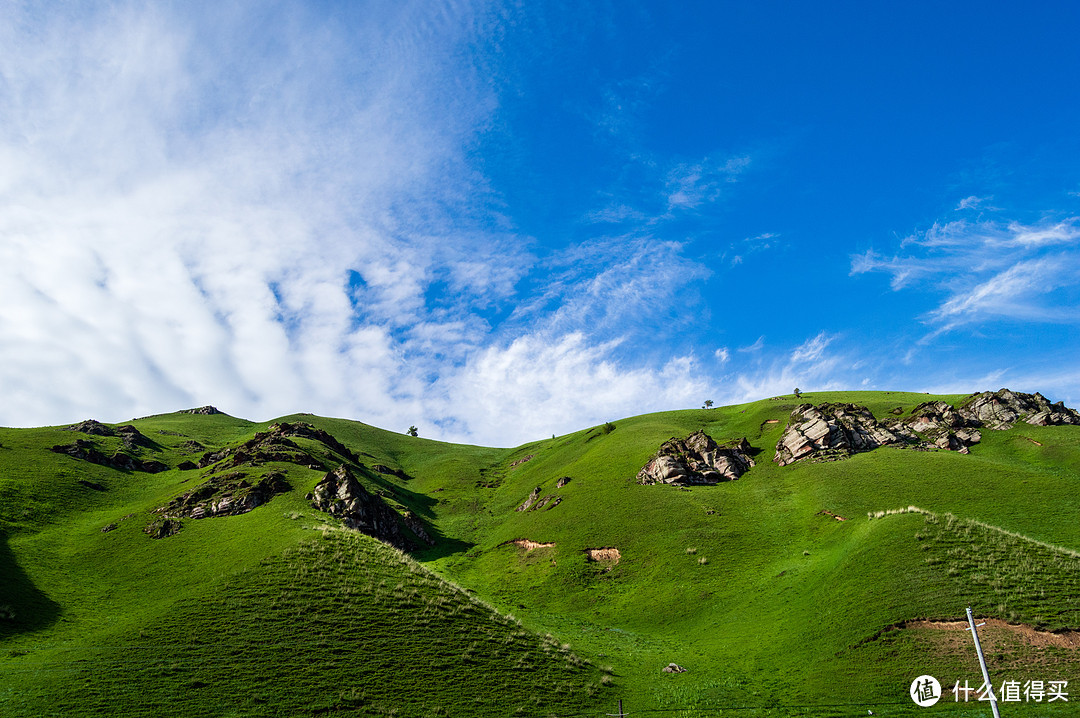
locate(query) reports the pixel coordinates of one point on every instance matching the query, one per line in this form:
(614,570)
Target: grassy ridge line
(950,517)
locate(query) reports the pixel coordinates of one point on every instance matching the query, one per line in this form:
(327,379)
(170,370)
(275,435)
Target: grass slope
(766,600)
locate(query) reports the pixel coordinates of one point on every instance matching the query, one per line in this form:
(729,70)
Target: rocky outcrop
(340,494)
(88,451)
(162,528)
(92,427)
(938,424)
(226,495)
(386,470)
(697,459)
(1001,409)
(274,444)
(530,500)
(534,503)
(203,410)
(835,431)
(839,430)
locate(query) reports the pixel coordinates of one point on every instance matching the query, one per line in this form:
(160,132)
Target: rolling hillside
(543,579)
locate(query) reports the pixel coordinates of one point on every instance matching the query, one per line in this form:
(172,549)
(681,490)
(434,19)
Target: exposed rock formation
(941,425)
(839,429)
(527,504)
(522,460)
(88,451)
(205,410)
(380,469)
(93,427)
(162,528)
(562,482)
(535,503)
(340,494)
(1001,409)
(274,445)
(226,495)
(673,668)
(697,459)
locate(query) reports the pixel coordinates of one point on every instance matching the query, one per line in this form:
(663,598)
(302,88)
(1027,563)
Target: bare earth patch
(529,544)
(607,553)
(996,628)
(826,512)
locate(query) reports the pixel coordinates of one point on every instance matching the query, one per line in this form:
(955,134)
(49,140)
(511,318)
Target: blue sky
(499,221)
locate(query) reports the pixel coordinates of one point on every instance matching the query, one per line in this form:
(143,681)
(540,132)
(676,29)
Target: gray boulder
(697,459)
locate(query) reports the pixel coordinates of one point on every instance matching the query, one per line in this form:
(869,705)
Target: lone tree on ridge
(708,404)
(797,392)
(412,431)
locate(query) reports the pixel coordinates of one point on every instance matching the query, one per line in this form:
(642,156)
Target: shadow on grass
(22,606)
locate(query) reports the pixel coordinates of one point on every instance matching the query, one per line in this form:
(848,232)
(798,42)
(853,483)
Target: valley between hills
(795,556)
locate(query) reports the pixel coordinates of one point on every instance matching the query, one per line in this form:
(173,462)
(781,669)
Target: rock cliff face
(839,430)
(340,494)
(697,459)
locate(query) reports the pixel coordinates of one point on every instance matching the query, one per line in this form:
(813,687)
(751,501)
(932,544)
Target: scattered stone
(697,459)
(522,460)
(417,527)
(191,447)
(379,468)
(340,494)
(162,528)
(133,438)
(897,411)
(530,500)
(673,668)
(550,501)
(562,482)
(108,528)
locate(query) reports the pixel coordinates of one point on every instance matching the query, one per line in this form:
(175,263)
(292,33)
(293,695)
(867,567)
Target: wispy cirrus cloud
(988,270)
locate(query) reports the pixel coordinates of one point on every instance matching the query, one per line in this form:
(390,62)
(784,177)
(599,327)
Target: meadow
(810,589)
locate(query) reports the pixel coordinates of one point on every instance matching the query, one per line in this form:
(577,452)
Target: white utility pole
(982,663)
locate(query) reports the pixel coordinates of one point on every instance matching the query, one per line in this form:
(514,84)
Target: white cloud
(755,347)
(722,355)
(972,202)
(812,349)
(988,269)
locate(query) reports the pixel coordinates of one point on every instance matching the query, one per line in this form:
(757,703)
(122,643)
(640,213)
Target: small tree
(797,393)
(708,404)
(412,431)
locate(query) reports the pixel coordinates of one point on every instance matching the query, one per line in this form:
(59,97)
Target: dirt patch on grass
(826,512)
(529,544)
(607,553)
(996,629)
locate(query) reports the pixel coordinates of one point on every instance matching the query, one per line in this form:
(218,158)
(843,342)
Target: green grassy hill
(755,586)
